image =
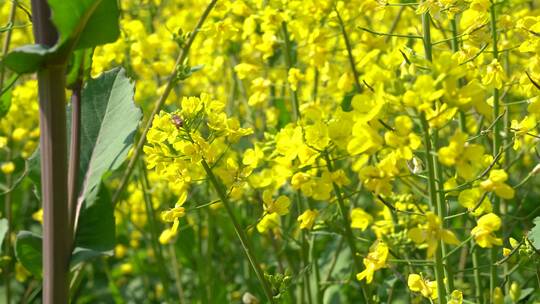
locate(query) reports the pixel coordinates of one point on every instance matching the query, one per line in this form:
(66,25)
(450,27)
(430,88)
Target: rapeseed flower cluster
(386,141)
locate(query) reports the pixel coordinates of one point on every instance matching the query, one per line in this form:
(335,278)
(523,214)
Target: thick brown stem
(53,146)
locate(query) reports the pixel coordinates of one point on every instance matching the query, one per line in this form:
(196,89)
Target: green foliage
(5,96)
(534,234)
(28,252)
(27,58)
(81,24)
(81,63)
(3,229)
(91,22)
(95,230)
(108,123)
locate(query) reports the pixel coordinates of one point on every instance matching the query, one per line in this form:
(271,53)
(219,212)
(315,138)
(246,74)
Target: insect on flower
(177,121)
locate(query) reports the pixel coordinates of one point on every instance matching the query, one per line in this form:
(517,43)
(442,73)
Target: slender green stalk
(117,296)
(426,36)
(476,272)
(177,277)
(305,258)
(154,234)
(496,145)
(442,212)
(74,153)
(352,63)
(439,267)
(7,240)
(305,250)
(75,282)
(7,42)
(218,187)
(290,64)
(455,49)
(159,104)
(349,236)
(435,176)
(315,265)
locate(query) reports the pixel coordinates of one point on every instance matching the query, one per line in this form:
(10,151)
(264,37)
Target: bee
(177,121)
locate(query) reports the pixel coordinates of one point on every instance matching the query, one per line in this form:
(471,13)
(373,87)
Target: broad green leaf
(27,58)
(103,26)
(3,229)
(28,252)
(87,22)
(108,124)
(95,229)
(534,234)
(81,24)
(95,236)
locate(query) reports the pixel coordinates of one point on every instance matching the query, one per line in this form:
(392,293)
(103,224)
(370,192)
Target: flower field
(265,151)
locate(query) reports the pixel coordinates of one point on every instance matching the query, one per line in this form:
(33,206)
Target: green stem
(305,258)
(305,250)
(5,49)
(117,296)
(177,277)
(441,211)
(455,49)
(496,145)
(290,64)
(352,63)
(154,236)
(7,240)
(476,272)
(434,171)
(349,236)
(239,231)
(426,37)
(315,265)
(434,202)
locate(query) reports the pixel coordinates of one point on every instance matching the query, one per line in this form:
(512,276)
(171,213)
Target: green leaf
(33,170)
(5,102)
(3,229)
(334,295)
(81,63)
(534,234)
(28,251)
(103,27)
(27,58)
(87,22)
(81,24)
(108,124)
(96,229)
(284,116)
